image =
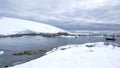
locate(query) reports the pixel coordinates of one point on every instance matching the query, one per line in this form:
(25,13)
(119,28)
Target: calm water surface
(11,45)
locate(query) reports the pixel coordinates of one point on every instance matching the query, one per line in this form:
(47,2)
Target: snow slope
(13,26)
(89,55)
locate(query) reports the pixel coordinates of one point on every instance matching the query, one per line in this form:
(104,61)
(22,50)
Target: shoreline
(90,49)
(50,35)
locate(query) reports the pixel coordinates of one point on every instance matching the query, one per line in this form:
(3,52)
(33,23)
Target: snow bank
(89,55)
(69,36)
(14,26)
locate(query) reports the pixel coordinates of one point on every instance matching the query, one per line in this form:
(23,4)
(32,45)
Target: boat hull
(110,39)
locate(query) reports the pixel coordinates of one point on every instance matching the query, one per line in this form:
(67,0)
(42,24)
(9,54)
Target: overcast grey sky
(67,14)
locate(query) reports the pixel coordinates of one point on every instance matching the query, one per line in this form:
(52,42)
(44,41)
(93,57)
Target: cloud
(64,12)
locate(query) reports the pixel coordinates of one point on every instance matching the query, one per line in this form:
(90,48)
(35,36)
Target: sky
(66,14)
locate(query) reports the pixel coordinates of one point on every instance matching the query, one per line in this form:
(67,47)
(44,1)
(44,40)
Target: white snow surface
(14,26)
(68,36)
(100,55)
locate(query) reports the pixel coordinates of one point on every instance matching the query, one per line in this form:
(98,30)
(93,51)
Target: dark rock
(89,45)
(62,48)
(63,33)
(29,52)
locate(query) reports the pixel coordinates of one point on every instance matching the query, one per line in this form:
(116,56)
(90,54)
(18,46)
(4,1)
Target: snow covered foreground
(89,55)
(15,26)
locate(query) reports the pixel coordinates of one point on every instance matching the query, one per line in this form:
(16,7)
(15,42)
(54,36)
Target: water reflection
(27,42)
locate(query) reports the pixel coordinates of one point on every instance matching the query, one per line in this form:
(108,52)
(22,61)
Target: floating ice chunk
(1,52)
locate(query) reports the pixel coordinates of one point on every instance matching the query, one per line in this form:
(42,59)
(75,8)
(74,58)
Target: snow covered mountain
(89,55)
(14,26)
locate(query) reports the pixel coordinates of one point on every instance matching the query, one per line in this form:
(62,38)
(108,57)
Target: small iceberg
(1,52)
